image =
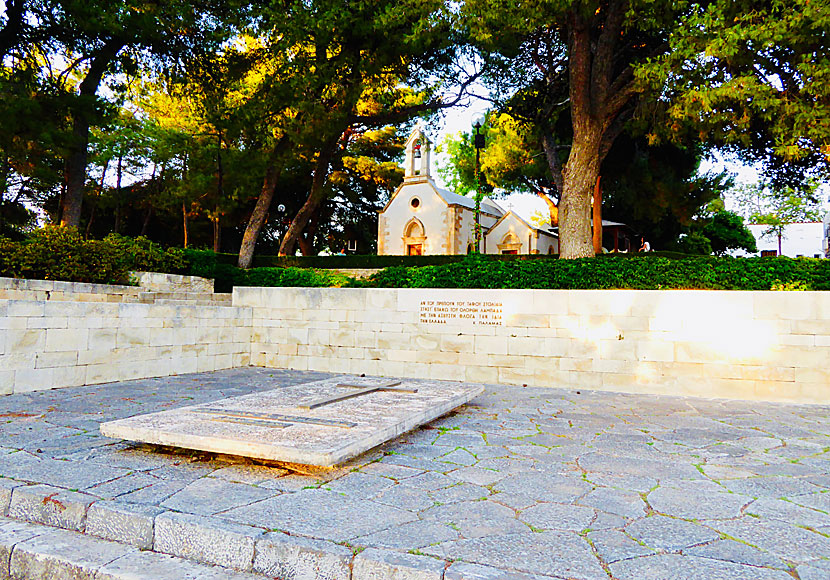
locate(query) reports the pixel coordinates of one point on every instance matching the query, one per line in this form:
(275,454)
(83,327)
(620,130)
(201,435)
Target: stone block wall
(47,344)
(772,346)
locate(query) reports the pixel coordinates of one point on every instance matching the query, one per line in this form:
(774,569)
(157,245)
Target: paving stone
(295,558)
(122,485)
(778,538)
(67,474)
(466,510)
(663,533)
(694,504)
(208,496)
(290,483)
(561,554)
(675,567)
(410,536)
(405,498)
(430,481)
(155,566)
(556,516)
(771,487)
(612,464)
(63,555)
(320,513)
(613,545)
(807,572)
(634,483)
(477,476)
(207,540)
(360,485)
(123,522)
(12,532)
(459,492)
(627,504)
(51,505)
(788,511)
(250,474)
(464,571)
(374,564)
(154,494)
(6,487)
(390,470)
(817,501)
(545,487)
(732,551)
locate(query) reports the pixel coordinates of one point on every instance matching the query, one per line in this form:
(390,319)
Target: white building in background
(422,218)
(825,238)
(803,239)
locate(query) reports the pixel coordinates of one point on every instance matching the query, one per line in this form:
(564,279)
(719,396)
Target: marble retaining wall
(46,344)
(772,346)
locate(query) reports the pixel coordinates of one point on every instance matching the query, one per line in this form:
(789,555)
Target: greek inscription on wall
(474,312)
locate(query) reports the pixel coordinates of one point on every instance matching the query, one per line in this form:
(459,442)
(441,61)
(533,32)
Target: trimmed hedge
(353,261)
(645,272)
(55,253)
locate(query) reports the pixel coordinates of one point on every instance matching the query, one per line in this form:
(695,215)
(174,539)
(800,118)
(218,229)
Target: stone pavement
(520,484)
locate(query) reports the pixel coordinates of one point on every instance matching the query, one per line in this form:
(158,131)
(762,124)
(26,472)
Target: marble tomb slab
(321,423)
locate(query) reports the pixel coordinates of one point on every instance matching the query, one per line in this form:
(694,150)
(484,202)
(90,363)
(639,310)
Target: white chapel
(422,218)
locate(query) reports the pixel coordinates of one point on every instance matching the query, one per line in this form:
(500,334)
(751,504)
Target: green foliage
(694,243)
(59,253)
(644,272)
(726,231)
(56,253)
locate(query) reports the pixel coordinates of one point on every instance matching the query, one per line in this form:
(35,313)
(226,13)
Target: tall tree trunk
(75,163)
(315,196)
(263,204)
(220,193)
(184,223)
(257,220)
(118,174)
(597,218)
(146,222)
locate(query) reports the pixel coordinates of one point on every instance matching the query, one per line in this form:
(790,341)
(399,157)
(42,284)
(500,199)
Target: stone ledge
(34,552)
(52,506)
(127,523)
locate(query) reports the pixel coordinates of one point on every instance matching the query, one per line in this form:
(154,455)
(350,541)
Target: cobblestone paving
(548,483)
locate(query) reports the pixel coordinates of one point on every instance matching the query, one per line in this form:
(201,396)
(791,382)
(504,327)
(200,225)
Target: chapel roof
(487,204)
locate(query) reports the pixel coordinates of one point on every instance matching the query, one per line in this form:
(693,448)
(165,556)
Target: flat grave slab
(320,423)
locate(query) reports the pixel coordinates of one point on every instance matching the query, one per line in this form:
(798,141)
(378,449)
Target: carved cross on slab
(270,419)
(360,390)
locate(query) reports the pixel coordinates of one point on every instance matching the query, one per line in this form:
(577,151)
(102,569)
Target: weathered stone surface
(554,553)
(13,532)
(206,540)
(374,564)
(627,504)
(295,558)
(555,516)
(155,566)
(412,536)
(702,505)
(464,571)
(228,427)
(675,567)
(63,555)
(544,486)
(207,496)
(771,487)
(51,505)
(662,533)
(789,512)
(320,513)
(123,522)
(6,487)
(778,538)
(732,551)
(612,545)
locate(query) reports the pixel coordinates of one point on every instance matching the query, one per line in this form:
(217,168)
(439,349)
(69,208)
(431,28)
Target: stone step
(37,552)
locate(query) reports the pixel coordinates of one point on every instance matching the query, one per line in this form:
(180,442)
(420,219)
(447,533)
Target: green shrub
(58,253)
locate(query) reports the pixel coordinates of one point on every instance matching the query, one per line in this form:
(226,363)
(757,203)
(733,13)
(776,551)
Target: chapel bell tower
(418,150)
